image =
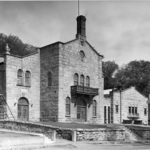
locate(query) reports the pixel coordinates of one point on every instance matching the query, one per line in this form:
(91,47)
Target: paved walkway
(11,139)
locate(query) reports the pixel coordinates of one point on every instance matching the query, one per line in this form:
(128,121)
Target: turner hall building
(59,82)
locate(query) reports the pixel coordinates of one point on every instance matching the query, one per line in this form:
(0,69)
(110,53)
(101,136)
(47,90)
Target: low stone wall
(100,135)
(29,127)
(141,131)
(97,134)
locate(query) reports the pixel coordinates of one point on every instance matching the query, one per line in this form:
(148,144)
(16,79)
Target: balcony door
(81,110)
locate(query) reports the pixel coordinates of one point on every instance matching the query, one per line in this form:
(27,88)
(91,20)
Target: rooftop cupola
(81,27)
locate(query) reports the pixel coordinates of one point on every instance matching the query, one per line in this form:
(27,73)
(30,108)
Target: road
(95,146)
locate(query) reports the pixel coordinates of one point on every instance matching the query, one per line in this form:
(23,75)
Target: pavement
(19,140)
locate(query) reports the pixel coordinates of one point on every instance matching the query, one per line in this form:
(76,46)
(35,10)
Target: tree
(109,68)
(135,73)
(16,45)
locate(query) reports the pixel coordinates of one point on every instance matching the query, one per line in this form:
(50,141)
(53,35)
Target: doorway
(23,109)
(81,110)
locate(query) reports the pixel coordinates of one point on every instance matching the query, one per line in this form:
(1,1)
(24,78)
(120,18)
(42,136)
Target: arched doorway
(23,109)
(81,110)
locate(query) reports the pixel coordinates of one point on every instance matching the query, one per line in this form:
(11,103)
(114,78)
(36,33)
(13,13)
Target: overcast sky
(120,30)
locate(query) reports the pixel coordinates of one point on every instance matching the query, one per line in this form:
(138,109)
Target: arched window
(28,78)
(82,55)
(76,79)
(49,78)
(88,81)
(82,80)
(68,105)
(94,108)
(20,77)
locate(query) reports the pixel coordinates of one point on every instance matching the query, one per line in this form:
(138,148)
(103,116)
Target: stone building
(126,106)
(59,82)
(71,80)
(20,86)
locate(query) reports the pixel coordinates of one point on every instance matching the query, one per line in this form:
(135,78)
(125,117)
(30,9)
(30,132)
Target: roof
(59,42)
(1,59)
(107,92)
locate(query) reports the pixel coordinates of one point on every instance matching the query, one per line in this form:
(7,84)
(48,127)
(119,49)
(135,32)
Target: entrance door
(81,111)
(23,109)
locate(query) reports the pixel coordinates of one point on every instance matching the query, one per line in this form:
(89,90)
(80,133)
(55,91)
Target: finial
(7,49)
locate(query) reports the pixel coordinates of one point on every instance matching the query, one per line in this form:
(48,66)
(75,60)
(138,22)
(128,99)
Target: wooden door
(23,110)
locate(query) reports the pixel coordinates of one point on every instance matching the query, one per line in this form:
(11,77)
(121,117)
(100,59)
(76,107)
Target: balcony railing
(133,116)
(77,89)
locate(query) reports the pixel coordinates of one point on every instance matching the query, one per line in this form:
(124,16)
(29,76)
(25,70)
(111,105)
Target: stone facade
(52,69)
(128,106)
(13,91)
(63,61)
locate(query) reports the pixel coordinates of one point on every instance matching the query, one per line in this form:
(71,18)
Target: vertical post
(120,107)
(54,135)
(74,136)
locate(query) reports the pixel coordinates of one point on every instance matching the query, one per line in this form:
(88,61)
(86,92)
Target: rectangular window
(132,110)
(117,108)
(129,110)
(105,119)
(135,110)
(145,111)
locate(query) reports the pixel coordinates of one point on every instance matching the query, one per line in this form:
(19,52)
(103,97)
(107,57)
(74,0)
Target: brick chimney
(81,27)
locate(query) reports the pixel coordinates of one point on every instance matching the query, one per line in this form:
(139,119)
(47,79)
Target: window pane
(87,81)
(82,80)
(20,77)
(28,78)
(76,78)
(68,106)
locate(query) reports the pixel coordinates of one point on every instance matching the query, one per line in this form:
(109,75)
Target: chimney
(81,27)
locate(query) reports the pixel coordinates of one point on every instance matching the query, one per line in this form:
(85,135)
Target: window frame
(81,80)
(76,79)
(68,107)
(87,81)
(20,77)
(28,78)
(94,108)
(117,109)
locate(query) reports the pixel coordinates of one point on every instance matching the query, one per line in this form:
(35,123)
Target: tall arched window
(94,108)
(76,79)
(20,77)
(49,78)
(82,80)
(88,81)
(68,105)
(28,78)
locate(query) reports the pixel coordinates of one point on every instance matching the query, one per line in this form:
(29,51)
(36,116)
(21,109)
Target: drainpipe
(120,107)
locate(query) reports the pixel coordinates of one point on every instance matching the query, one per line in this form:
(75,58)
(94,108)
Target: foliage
(109,68)
(135,73)
(17,47)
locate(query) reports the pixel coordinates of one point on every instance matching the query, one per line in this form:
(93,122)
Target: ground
(67,145)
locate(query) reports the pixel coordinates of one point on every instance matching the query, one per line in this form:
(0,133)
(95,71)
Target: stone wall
(142,132)
(49,62)
(2,78)
(29,128)
(101,135)
(70,63)
(14,91)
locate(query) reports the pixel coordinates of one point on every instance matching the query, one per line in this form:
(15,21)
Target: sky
(117,29)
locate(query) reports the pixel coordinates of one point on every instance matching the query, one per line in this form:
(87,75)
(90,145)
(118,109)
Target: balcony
(133,116)
(77,89)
